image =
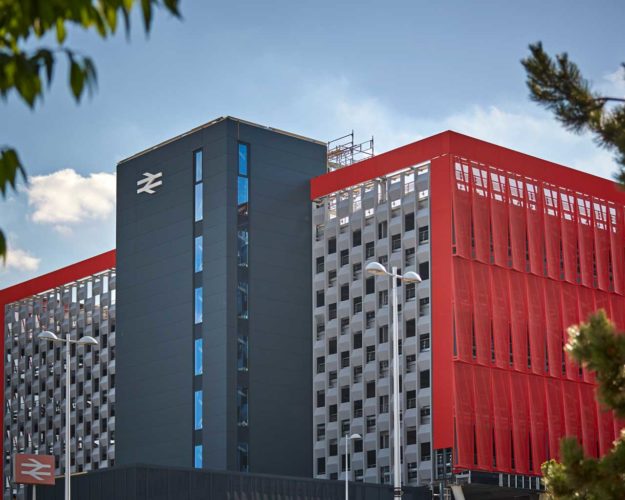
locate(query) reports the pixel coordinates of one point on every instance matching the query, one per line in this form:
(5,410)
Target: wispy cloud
(21,260)
(65,198)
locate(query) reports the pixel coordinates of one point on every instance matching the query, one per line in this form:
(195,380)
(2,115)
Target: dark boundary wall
(144,482)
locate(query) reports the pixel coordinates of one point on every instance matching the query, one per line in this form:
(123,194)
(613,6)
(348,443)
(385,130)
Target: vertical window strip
(242,395)
(198,215)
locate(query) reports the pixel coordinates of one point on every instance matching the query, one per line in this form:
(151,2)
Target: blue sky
(396,70)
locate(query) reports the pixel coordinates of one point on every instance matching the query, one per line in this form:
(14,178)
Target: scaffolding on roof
(343,151)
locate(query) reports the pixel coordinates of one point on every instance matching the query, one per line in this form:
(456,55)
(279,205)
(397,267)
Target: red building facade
(521,249)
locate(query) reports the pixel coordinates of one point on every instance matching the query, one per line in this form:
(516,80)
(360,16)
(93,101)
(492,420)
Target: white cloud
(613,84)
(65,198)
(21,260)
(334,108)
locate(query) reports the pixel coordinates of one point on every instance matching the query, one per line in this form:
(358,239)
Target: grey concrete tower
(214,310)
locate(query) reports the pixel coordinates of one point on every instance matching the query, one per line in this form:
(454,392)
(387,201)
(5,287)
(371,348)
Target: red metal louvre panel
(571,409)
(617,248)
(605,421)
(602,244)
(481,213)
(535,229)
(552,233)
(618,311)
(554,327)
(536,322)
(483,417)
(569,236)
(501,419)
(463,323)
(520,421)
(482,311)
(570,317)
(586,240)
(501,316)
(499,218)
(518,309)
(461,211)
(518,224)
(555,422)
(586,307)
(602,301)
(589,419)
(464,413)
(538,421)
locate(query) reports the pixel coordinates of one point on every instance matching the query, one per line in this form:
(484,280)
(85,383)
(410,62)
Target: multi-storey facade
(74,301)
(213,247)
(512,250)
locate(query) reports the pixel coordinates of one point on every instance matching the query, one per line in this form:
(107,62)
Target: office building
(77,300)
(213,249)
(512,250)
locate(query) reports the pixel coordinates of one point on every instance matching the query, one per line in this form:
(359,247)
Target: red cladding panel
(538,421)
(552,232)
(518,321)
(555,334)
(481,214)
(502,419)
(535,230)
(520,422)
(588,405)
(501,316)
(536,323)
(462,307)
(483,417)
(617,248)
(555,420)
(464,411)
(481,313)
(499,219)
(605,428)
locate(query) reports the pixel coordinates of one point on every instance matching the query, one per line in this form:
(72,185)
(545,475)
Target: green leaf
(10,168)
(76,79)
(3,247)
(61,34)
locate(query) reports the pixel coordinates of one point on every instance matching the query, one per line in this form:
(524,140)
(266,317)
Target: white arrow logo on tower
(36,469)
(149,182)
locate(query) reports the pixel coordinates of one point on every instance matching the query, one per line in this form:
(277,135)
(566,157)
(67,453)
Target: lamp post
(84,341)
(377,269)
(348,438)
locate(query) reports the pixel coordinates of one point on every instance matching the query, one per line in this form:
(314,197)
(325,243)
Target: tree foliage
(557,84)
(27,68)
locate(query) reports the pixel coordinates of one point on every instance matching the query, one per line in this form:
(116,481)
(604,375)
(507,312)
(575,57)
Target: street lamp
(377,269)
(347,440)
(84,341)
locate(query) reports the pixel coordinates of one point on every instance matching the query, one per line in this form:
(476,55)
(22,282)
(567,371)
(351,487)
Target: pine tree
(557,84)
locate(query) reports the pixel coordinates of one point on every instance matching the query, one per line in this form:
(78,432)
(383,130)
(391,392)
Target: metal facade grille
(34,376)
(385,220)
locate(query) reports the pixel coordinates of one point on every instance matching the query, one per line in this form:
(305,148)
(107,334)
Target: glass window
(242,406)
(198,254)
(198,202)
(197,161)
(242,244)
(242,195)
(242,457)
(198,356)
(198,410)
(243,159)
(242,306)
(198,305)
(197,461)
(242,354)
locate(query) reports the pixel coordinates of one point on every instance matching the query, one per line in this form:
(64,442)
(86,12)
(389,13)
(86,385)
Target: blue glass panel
(242,242)
(197,461)
(197,157)
(242,195)
(198,356)
(198,305)
(242,457)
(198,410)
(198,254)
(242,406)
(242,354)
(243,159)
(242,307)
(198,202)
